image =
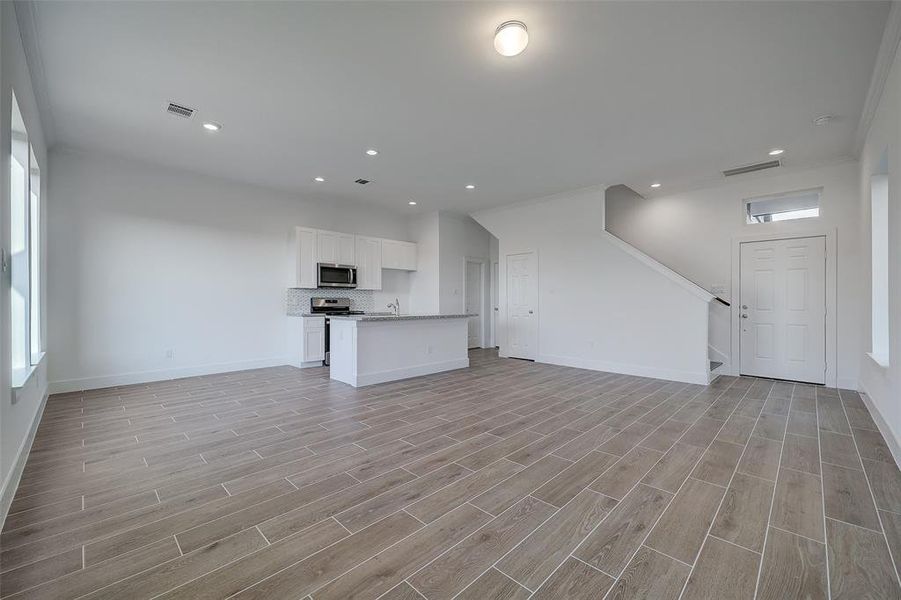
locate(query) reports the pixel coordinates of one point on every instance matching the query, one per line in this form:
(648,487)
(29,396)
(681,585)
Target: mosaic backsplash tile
(298,300)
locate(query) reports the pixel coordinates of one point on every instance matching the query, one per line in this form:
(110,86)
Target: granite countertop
(389,317)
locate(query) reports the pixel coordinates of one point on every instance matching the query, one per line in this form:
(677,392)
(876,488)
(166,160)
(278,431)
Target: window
(25,219)
(783,207)
(879,264)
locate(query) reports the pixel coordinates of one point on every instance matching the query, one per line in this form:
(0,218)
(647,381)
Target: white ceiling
(606,92)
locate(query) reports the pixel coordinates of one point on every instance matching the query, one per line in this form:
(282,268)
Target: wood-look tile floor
(505,480)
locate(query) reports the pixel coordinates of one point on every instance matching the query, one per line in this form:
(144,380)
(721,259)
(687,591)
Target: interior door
(473,302)
(782,313)
(522,306)
(494,312)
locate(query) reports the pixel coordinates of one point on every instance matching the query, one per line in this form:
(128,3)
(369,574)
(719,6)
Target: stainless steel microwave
(336,276)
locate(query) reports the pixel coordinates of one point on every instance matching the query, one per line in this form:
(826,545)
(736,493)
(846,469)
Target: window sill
(879,359)
(20,377)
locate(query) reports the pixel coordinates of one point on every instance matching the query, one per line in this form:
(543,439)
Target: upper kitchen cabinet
(369,263)
(336,248)
(398,255)
(305,257)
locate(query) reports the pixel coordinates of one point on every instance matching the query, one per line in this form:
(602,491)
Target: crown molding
(891,36)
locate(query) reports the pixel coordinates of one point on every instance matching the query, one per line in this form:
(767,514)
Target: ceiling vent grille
(770,164)
(362,181)
(180,111)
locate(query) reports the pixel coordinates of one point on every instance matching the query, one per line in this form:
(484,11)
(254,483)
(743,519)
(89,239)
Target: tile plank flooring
(506,480)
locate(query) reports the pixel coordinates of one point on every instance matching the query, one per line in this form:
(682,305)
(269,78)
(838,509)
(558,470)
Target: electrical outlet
(428,349)
(170,353)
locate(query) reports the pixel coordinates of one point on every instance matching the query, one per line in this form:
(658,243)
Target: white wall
(424,281)
(692,233)
(460,237)
(883,384)
(20,409)
(144,259)
(599,306)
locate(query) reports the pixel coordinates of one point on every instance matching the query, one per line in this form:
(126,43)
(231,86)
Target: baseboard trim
(699,377)
(893,443)
(11,483)
(408,372)
(105,381)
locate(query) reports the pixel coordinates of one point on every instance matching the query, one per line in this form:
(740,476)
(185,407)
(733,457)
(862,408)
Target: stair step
(714,365)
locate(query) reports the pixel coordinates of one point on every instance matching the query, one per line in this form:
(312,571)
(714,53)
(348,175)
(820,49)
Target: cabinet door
(409,257)
(391,254)
(327,245)
(346,253)
(305,257)
(313,345)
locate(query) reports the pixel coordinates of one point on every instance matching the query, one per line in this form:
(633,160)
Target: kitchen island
(368,349)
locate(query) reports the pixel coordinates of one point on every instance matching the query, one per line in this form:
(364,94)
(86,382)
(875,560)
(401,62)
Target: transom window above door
(804,204)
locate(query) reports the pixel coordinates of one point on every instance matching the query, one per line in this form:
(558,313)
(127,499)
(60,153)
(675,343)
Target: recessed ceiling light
(655,185)
(212,126)
(511,38)
(319,179)
(470,186)
(372,152)
(412,203)
(776,151)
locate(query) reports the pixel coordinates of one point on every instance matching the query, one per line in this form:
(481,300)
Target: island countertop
(370,318)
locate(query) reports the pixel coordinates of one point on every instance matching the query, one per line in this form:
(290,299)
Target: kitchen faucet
(395,306)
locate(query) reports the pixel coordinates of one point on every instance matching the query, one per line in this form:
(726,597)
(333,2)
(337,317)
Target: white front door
(473,302)
(522,306)
(782,312)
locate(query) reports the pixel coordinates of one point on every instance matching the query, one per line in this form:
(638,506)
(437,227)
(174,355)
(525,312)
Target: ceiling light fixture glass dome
(511,38)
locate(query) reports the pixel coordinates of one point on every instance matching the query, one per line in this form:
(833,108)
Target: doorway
(474,300)
(782,313)
(522,305)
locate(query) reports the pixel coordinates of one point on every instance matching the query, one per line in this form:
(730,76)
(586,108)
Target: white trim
(406,372)
(893,443)
(888,48)
(698,377)
(11,483)
(878,360)
(104,381)
(483,271)
(687,284)
(831,376)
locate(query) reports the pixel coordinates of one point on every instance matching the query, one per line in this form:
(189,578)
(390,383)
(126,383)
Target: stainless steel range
(328,307)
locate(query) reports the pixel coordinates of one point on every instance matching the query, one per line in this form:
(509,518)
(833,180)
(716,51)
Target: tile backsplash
(298,300)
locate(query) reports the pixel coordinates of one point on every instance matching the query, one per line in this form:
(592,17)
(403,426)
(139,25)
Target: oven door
(337,276)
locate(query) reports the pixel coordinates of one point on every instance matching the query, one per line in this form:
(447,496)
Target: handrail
(721,301)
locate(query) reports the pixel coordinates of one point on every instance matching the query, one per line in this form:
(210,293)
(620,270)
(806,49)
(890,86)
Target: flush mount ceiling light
(319,179)
(212,126)
(655,185)
(511,38)
(372,152)
(412,203)
(470,186)
(776,151)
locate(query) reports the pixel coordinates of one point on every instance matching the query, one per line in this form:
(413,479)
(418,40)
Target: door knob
(744,316)
(744,307)
(530,312)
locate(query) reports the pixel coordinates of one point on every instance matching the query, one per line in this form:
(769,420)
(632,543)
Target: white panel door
(782,312)
(522,306)
(473,302)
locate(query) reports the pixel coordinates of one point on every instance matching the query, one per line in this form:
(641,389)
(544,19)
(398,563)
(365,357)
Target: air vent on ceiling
(770,164)
(362,181)
(180,111)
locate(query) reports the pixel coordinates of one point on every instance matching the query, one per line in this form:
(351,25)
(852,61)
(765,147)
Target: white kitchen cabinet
(369,263)
(398,255)
(306,343)
(305,256)
(336,248)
